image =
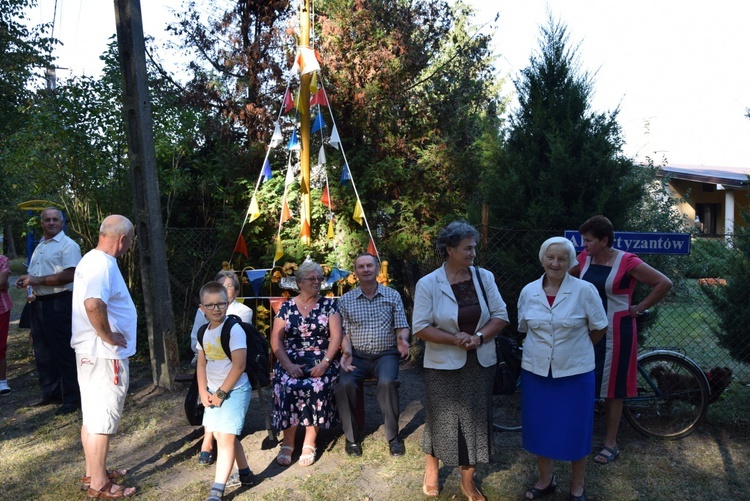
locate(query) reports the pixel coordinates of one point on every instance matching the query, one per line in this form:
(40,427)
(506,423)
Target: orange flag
(371,248)
(276,303)
(304,233)
(285,214)
(241,246)
(326,198)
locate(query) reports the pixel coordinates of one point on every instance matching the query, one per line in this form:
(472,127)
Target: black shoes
(48,400)
(205,458)
(66,409)
(353,448)
(396,447)
(540,493)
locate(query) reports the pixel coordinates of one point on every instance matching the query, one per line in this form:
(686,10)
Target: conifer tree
(562,162)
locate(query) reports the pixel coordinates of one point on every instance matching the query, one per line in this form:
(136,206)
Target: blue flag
(266,172)
(317,124)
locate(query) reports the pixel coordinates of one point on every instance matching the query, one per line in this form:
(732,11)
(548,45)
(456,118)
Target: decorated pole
(304,108)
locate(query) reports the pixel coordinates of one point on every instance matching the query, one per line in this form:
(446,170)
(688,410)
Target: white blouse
(557,336)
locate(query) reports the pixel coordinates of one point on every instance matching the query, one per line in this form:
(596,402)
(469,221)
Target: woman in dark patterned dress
(305,339)
(614,273)
(458,322)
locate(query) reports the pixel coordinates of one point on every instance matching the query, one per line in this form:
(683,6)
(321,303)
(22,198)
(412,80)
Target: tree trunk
(147,205)
(9,243)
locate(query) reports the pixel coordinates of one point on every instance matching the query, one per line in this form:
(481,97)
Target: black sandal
(540,493)
(582,497)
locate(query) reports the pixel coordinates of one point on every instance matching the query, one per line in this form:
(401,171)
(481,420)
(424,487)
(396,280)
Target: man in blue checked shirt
(376,336)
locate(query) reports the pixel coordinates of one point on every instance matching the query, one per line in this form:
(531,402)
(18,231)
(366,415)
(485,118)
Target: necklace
(308,305)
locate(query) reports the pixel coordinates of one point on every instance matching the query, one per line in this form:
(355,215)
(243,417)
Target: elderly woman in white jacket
(563,317)
(457,312)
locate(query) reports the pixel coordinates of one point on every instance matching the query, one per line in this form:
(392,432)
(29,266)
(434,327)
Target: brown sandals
(106,492)
(111,474)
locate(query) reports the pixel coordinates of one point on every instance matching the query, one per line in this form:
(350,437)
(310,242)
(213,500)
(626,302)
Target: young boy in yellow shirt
(224,388)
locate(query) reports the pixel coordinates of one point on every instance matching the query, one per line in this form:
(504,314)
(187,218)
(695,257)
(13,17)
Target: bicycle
(672,397)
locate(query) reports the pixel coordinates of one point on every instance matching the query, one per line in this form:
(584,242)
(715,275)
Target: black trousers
(384,367)
(50,336)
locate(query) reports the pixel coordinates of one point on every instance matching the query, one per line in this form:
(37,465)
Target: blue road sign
(641,243)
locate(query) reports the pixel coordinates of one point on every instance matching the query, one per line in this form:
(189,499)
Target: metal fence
(194,258)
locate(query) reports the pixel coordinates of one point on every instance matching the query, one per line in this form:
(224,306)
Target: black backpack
(258,363)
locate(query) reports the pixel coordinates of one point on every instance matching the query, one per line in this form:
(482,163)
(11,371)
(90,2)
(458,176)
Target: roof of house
(735,177)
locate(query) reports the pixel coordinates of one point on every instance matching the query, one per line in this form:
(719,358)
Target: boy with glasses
(224,388)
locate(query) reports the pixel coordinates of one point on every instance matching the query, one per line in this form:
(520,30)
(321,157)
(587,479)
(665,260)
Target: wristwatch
(481,337)
(222,394)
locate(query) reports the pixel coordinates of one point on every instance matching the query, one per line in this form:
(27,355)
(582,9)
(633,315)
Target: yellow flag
(299,105)
(314,84)
(279,250)
(253,212)
(330,234)
(359,214)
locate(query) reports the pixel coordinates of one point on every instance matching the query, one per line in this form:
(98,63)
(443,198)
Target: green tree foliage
(24,53)
(732,302)
(414,89)
(562,162)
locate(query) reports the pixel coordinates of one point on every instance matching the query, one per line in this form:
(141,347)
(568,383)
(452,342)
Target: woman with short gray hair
(305,338)
(457,312)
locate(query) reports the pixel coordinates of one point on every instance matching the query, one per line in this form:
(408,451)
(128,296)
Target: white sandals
(284,459)
(309,458)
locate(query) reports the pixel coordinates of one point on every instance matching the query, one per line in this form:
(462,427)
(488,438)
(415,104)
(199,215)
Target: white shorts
(104,384)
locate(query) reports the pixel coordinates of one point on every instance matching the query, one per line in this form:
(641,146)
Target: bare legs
(545,474)
(229,450)
(431,486)
(95,449)
(577,476)
(208,442)
(432,471)
(308,446)
(613,408)
(467,483)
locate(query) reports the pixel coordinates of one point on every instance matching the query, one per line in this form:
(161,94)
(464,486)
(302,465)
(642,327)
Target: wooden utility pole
(147,204)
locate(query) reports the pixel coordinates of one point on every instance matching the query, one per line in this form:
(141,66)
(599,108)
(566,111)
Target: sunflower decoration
(289,268)
(262,315)
(275,277)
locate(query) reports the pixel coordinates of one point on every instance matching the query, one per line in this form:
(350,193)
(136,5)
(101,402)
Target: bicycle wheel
(506,410)
(672,396)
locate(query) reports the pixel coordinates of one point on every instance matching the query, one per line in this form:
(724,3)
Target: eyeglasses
(213,306)
(314,279)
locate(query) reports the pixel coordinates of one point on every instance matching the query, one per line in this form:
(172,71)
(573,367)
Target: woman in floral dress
(305,338)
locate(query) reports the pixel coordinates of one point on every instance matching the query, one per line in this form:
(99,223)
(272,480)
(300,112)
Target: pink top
(5,302)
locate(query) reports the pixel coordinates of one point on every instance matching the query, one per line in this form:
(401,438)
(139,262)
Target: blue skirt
(557,415)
